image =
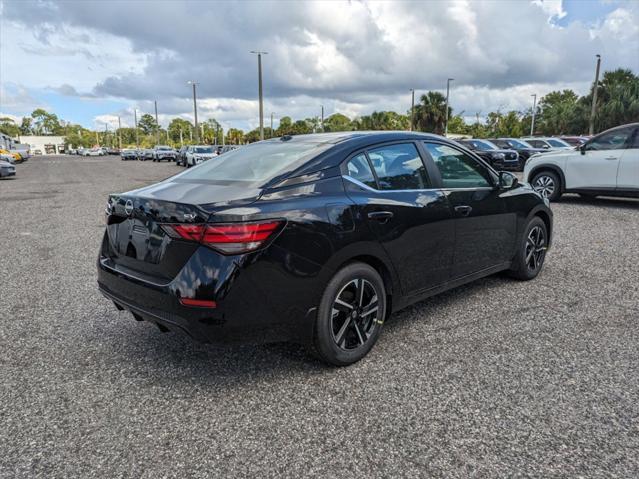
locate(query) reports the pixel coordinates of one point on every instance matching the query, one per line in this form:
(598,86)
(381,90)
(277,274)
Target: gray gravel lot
(495,379)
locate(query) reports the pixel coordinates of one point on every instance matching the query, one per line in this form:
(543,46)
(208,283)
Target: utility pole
(157,125)
(181,138)
(119,133)
(534,110)
(259,87)
(271,124)
(447,95)
(137,139)
(197,139)
(322,123)
(412,109)
(591,126)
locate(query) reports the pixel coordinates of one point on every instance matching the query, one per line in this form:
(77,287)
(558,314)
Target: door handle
(381,216)
(611,158)
(463,210)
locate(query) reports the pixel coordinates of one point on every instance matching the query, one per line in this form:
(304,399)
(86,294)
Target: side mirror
(507,180)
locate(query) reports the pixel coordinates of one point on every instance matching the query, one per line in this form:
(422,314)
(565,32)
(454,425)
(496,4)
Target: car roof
(342,136)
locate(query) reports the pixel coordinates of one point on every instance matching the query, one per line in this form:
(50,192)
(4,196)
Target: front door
(485,230)
(412,220)
(628,174)
(597,165)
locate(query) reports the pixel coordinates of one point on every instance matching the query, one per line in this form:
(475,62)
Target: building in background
(44,145)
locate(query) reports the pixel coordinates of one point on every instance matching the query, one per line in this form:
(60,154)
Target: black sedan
(316,238)
(524,149)
(499,159)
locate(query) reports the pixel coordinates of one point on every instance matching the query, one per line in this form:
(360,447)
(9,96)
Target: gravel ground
(498,378)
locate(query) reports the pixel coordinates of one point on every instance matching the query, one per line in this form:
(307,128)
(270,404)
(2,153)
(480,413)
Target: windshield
(483,145)
(257,162)
(203,149)
(519,144)
(558,143)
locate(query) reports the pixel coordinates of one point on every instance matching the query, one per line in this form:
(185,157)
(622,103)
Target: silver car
(7,169)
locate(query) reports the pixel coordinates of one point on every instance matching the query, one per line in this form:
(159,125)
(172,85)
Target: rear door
(485,229)
(411,219)
(597,166)
(628,174)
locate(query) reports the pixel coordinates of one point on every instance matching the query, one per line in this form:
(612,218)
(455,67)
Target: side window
(615,140)
(635,143)
(399,167)
(458,170)
(537,143)
(359,169)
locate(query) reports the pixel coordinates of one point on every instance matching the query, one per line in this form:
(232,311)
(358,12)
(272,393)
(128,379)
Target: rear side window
(614,140)
(359,169)
(458,170)
(399,167)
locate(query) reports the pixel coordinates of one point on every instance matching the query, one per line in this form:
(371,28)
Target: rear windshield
(257,162)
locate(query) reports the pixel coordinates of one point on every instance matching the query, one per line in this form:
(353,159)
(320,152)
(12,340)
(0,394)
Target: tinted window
(635,143)
(399,167)
(537,143)
(613,140)
(359,169)
(458,170)
(557,143)
(257,162)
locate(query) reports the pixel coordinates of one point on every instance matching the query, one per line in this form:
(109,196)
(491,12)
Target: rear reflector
(198,303)
(228,238)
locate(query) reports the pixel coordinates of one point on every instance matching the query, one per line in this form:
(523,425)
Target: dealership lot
(495,378)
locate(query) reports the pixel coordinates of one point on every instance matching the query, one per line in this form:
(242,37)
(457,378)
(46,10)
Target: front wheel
(547,184)
(531,252)
(350,315)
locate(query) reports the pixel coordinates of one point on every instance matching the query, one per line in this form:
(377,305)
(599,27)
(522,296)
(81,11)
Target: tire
(531,251)
(348,322)
(547,184)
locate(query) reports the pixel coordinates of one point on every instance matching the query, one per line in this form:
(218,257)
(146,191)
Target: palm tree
(430,113)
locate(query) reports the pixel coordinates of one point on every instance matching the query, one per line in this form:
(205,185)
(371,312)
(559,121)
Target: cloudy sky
(90,61)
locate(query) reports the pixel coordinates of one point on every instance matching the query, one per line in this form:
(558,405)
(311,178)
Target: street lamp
(157,124)
(447,95)
(534,110)
(591,126)
(271,124)
(259,75)
(137,139)
(412,108)
(197,133)
(322,123)
(119,133)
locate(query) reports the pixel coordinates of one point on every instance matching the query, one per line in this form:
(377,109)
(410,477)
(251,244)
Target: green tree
(8,126)
(285,127)
(430,113)
(26,126)
(618,99)
(45,123)
(234,136)
(557,113)
(147,124)
(337,122)
(179,131)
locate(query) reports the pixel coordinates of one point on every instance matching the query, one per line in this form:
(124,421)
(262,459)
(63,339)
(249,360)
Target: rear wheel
(547,184)
(350,316)
(531,252)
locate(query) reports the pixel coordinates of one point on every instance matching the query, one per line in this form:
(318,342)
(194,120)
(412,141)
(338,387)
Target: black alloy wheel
(351,315)
(532,252)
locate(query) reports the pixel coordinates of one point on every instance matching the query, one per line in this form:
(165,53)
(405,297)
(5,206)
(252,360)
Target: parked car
(552,144)
(227,148)
(317,238)
(7,169)
(575,140)
(524,149)
(94,152)
(499,159)
(145,154)
(16,156)
(163,152)
(181,156)
(23,150)
(9,158)
(196,154)
(113,151)
(128,154)
(607,164)
(72,151)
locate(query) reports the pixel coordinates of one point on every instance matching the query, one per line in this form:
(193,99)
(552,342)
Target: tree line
(558,113)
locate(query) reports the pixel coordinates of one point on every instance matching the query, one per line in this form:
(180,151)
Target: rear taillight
(228,238)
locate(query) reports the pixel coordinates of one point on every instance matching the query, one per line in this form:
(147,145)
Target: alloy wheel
(354,315)
(545,186)
(535,248)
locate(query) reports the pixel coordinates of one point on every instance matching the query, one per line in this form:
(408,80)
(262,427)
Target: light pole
(591,126)
(119,133)
(135,118)
(191,82)
(447,96)
(271,124)
(259,87)
(157,125)
(534,110)
(412,108)
(322,123)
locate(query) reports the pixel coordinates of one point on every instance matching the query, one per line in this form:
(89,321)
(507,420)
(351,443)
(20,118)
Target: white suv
(607,165)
